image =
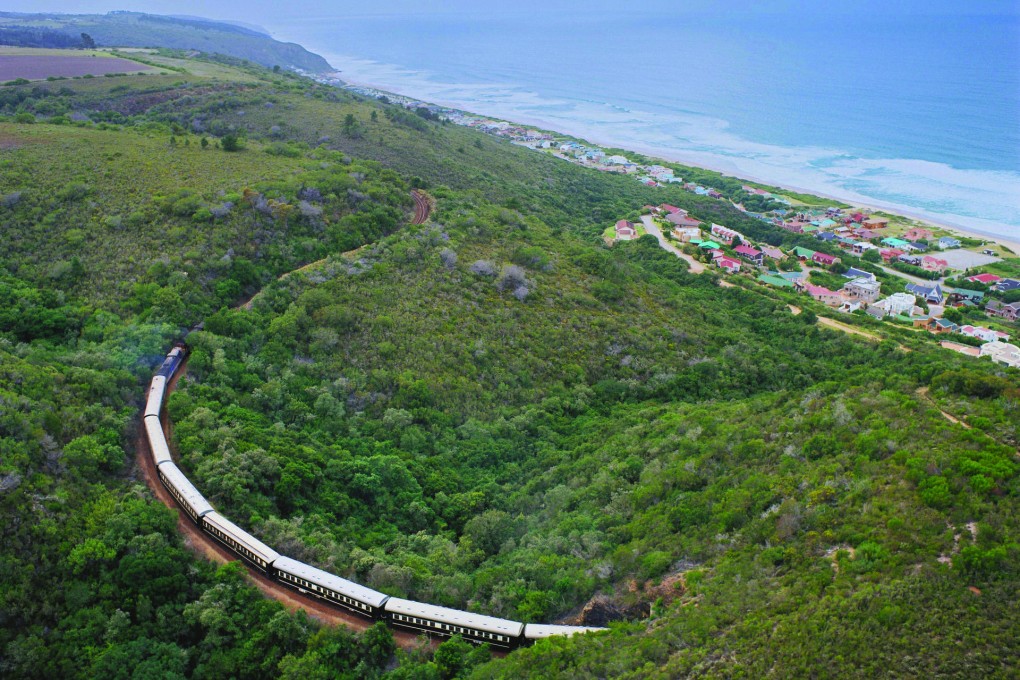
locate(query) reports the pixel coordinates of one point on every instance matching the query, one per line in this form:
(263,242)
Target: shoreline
(1009,242)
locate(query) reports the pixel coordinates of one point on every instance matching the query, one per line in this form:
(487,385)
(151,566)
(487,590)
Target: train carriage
(188,497)
(322,584)
(154,400)
(429,618)
(157,441)
(251,549)
(538,631)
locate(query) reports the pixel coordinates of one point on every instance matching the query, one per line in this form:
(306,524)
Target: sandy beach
(1012,243)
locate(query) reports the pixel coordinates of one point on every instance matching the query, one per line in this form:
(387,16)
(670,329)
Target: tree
(350,125)
(231,143)
(87,42)
(205,142)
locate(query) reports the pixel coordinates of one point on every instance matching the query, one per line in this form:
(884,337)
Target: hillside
(134,29)
(492,411)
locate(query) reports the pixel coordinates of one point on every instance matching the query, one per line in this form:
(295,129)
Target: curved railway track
(422,207)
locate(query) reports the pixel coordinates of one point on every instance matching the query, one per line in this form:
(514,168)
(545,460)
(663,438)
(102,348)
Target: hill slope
(135,29)
(492,410)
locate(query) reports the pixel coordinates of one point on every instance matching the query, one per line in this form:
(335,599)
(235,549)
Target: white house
(897,303)
(617,160)
(1002,353)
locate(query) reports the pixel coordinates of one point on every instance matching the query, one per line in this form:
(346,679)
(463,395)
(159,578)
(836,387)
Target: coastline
(1010,242)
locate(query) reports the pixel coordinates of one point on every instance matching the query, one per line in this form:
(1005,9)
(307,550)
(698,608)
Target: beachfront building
(947,242)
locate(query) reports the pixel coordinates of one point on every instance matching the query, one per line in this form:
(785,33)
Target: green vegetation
(490,411)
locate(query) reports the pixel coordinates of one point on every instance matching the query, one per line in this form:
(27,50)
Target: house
(875,223)
(987,279)
(915,247)
(682,220)
(777,281)
(686,234)
(612,160)
(982,333)
(728,263)
(625,231)
(964,296)
(825,236)
(917,234)
(857,217)
(1002,353)
(935,325)
(890,254)
(862,247)
(934,264)
(1009,312)
(932,294)
(855,273)
(752,255)
(1007,285)
(709,245)
(895,304)
(671,209)
(803,253)
(824,259)
(864,289)
(947,242)
(774,253)
(849,306)
(893,242)
(725,233)
(910,259)
(867,234)
(824,295)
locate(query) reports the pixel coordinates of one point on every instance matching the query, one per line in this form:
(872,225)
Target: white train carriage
(329,587)
(154,402)
(436,620)
(537,631)
(240,541)
(157,441)
(188,497)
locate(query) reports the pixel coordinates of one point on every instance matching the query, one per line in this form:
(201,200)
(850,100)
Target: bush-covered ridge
(492,410)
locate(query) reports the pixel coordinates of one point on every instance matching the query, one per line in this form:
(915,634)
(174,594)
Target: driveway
(652,228)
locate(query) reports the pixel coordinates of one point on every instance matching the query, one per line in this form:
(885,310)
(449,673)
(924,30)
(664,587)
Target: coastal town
(865,263)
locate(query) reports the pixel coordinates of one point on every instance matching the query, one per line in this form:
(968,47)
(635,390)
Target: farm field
(25,64)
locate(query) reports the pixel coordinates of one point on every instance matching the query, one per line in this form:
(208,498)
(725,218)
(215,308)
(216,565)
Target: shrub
(512,277)
(483,268)
(448,257)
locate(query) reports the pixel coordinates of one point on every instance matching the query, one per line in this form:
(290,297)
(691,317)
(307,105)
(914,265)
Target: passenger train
(397,612)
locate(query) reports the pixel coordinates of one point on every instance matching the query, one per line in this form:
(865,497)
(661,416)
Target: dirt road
(203,545)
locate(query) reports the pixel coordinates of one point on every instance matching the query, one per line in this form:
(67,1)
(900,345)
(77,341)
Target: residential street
(653,229)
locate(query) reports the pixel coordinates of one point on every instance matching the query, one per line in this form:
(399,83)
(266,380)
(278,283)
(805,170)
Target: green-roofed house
(709,245)
(777,281)
(966,297)
(803,253)
(895,242)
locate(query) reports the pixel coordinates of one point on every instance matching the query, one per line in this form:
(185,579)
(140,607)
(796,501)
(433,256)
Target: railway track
(422,207)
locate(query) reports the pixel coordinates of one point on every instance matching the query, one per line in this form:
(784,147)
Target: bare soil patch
(39,67)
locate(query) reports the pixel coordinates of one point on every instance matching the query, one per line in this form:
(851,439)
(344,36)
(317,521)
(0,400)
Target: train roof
(536,631)
(191,495)
(327,580)
(241,536)
(154,399)
(490,624)
(157,440)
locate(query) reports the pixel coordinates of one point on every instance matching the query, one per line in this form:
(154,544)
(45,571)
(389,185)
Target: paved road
(912,279)
(653,229)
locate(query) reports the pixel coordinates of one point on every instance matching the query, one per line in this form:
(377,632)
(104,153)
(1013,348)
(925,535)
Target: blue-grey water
(916,113)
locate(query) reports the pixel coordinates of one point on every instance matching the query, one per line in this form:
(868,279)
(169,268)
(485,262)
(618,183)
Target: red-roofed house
(889,254)
(725,233)
(774,253)
(671,209)
(934,264)
(987,279)
(682,220)
(916,234)
(824,259)
(824,295)
(796,226)
(750,254)
(625,231)
(728,263)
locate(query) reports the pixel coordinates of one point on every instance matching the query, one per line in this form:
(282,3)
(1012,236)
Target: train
(428,619)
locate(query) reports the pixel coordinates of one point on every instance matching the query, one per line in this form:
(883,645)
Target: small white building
(1002,353)
(897,303)
(617,160)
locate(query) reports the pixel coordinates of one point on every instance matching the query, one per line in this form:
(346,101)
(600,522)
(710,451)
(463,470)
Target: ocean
(916,114)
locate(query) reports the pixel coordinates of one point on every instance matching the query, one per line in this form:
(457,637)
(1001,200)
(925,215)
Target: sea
(919,114)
